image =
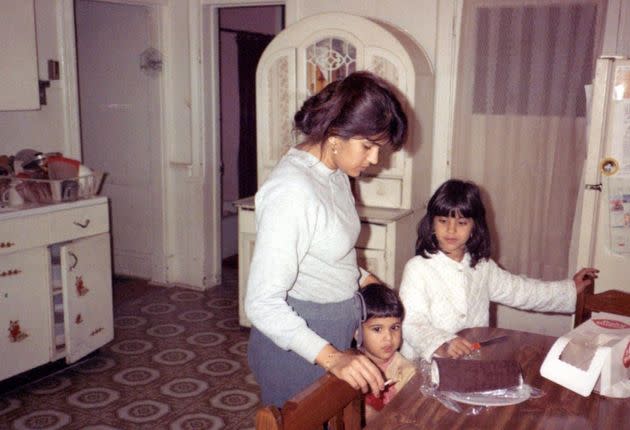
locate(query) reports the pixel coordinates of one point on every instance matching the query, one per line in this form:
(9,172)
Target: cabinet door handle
(82,225)
(6,244)
(75,262)
(10,272)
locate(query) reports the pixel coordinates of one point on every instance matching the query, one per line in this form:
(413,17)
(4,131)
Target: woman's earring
(334,149)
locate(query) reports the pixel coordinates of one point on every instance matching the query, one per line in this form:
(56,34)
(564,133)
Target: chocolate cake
(474,375)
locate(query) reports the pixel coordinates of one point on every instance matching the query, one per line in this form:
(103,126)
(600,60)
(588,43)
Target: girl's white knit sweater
(442,296)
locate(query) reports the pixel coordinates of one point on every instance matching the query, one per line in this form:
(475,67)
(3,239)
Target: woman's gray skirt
(282,374)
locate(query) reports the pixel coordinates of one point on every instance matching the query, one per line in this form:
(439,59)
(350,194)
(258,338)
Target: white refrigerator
(602,225)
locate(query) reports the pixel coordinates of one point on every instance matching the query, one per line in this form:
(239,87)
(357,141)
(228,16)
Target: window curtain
(250,48)
(520,123)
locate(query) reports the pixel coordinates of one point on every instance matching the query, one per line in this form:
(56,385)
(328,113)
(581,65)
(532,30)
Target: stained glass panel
(328,60)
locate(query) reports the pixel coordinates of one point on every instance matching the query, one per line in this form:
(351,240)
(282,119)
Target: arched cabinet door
(276,103)
(309,54)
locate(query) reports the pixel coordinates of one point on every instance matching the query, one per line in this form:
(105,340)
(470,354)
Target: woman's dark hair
(360,105)
(456,198)
(381,302)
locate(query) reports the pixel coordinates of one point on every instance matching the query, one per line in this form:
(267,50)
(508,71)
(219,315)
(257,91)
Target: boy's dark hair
(456,198)
(360,105)
(381,302)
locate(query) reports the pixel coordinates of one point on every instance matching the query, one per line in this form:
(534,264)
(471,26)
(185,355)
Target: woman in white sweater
(301,292)
(449,284)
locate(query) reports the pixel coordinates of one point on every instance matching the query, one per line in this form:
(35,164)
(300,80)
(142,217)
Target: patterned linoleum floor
(178,361)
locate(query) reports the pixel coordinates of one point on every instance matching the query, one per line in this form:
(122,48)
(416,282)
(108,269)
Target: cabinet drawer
(79,222)
(381,192)
(372,236)
(23,233)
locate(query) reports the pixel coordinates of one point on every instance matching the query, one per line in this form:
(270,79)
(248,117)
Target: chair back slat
(581,312)
(611,301)
(328,400)
(268,418)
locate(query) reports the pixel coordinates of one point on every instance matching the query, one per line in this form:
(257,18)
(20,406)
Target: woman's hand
(354,368)
(455,348)
(584,277)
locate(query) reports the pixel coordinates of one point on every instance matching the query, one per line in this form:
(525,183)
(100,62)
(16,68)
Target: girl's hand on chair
(356,369)
(584,277)
(455,348)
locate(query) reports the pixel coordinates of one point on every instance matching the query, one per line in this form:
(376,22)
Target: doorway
(119,69)
(243,33)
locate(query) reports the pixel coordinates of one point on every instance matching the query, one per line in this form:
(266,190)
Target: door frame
(205,119)
(71,107)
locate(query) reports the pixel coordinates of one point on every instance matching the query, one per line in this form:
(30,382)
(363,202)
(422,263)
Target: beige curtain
(520,122)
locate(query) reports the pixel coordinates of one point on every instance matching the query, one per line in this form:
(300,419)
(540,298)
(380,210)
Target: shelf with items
(58,335)
(59,345)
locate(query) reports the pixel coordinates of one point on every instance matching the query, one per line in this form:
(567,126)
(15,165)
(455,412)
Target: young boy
(379,338)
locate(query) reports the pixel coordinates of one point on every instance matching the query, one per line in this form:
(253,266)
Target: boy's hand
(584,277)
(455,348)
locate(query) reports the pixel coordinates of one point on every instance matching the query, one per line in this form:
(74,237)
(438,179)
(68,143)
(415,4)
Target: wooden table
(559,408)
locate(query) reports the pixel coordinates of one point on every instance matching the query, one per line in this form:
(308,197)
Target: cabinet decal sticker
(82,290)
(15,332)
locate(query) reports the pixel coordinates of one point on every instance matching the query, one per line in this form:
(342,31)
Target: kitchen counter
(7,213)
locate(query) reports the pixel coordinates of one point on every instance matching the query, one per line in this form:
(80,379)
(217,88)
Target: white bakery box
(595,356)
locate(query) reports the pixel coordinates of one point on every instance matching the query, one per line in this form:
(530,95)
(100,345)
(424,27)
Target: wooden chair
(611,301)
(329,400)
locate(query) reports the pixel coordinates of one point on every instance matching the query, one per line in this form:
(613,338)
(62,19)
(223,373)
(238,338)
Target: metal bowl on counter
(33,159)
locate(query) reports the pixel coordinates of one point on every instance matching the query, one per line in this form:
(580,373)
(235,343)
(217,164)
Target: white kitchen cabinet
(24,310)
(391,197)
(19,85)
(55,284)
(381,229)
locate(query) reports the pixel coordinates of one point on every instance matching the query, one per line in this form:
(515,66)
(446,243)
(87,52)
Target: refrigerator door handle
(593,187)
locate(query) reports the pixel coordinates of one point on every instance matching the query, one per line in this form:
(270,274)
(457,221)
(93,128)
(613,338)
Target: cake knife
(478,345)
